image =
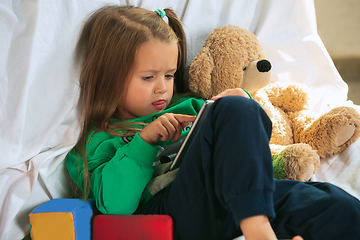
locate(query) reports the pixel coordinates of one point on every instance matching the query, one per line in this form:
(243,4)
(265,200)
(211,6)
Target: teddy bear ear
(200,73)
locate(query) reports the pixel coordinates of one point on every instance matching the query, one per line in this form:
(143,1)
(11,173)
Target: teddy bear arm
(300,122)
(294,99)
(282,129)
(333,132)
(291,98)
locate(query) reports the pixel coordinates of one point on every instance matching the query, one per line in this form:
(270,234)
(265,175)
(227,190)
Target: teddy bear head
(231,57)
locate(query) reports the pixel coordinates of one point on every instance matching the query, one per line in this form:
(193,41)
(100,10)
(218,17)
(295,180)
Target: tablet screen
(188,139)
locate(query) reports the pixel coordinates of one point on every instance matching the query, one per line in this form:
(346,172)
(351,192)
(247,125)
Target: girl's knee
(241,110)
(237,104)
(342,204)
(348,205)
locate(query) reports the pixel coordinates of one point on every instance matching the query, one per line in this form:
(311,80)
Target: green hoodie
(121,168)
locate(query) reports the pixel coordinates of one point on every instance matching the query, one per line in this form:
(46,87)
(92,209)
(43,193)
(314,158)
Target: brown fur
(299,137)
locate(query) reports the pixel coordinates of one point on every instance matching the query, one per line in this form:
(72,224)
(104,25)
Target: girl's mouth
(160,104)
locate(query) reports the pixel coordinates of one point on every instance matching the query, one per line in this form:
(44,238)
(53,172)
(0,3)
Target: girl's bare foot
(257,228)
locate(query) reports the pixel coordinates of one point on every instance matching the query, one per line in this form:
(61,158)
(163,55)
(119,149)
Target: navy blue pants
(227,175)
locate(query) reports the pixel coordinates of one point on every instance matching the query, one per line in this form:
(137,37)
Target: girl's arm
(167,127)
(119,173)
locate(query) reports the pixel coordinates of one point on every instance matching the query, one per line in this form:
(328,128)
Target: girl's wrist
(141,151)
(141,135)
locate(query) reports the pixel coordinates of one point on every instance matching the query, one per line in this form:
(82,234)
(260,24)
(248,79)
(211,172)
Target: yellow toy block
(62,219)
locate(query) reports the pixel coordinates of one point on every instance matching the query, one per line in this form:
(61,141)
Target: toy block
(62,219)
(133,227)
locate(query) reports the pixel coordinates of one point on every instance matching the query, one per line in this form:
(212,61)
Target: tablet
(189,137)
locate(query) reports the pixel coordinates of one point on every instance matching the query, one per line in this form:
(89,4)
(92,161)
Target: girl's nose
(161,86)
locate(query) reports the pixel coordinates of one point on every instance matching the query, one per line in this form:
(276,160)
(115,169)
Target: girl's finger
(184,119)
(180,121)
(178,132)
(173,126)
(168,127)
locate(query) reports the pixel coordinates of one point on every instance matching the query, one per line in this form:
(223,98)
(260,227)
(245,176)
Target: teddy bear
(232,57)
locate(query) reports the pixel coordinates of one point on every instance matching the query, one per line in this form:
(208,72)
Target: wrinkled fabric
(39,89)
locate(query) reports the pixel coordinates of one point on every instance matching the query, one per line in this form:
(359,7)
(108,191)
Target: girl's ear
(200,73)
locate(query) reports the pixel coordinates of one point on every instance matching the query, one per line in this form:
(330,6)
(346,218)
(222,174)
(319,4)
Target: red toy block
(133,227)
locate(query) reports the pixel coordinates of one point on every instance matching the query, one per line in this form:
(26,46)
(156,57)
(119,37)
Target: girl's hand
(231,92)
(167,126)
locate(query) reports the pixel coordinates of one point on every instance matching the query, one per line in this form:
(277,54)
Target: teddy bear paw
(334,131)
(345,133)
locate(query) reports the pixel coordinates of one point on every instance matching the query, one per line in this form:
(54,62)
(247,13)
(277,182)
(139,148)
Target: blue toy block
(62,219)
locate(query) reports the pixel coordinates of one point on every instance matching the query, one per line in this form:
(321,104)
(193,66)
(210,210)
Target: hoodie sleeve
(119,173)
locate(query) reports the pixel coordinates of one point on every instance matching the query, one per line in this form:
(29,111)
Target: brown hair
(106,50)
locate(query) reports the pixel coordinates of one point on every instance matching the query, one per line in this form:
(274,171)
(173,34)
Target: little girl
(133,62)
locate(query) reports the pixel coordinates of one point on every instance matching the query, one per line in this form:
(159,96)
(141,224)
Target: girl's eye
(147,78)
(169,77)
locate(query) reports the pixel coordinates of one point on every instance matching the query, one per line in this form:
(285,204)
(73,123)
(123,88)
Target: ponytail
(174,22)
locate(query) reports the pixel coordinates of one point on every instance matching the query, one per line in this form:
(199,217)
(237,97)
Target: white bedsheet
(38,85)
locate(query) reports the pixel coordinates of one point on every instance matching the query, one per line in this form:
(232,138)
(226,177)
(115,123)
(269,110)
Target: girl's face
(150,83)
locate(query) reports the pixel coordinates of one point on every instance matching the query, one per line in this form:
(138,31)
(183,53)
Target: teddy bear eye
(244,68)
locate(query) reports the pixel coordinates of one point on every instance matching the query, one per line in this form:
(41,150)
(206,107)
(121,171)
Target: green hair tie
(161,12)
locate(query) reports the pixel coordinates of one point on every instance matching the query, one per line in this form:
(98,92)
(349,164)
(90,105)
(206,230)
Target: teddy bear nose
(263,65)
